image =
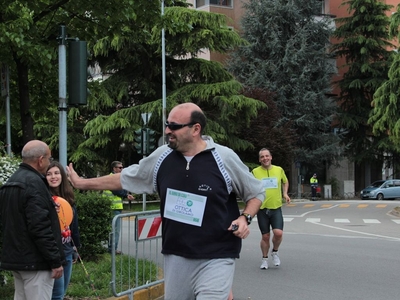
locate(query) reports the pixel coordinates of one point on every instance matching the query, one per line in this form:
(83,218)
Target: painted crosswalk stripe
(313,220)
(371,221)
(342,221)
(288,219)
(396,221)
(362,205)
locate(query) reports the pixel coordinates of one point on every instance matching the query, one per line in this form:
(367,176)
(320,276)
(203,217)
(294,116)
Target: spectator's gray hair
(34,152)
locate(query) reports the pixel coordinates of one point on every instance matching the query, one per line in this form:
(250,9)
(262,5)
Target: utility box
(347,189)
(327,191)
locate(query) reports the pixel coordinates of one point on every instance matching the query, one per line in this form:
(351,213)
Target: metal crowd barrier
(140,264)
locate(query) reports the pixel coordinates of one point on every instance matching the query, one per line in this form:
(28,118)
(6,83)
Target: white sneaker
(275,258)
(264,264)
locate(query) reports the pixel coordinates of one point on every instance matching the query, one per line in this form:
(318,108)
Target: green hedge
(94,216)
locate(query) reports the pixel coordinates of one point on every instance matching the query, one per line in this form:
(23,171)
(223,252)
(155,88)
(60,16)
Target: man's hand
(106,182)
(57,273)
(243,230)
(73,177)
(130,197)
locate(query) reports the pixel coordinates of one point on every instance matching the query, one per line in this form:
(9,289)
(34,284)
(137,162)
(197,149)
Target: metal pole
(8,113)
(62,95)
(298,184)
(164,84)
(298,167)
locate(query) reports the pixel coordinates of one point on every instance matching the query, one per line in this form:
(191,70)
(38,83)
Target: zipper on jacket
(187,166)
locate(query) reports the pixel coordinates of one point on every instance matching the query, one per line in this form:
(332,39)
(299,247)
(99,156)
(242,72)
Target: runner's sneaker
(264,264)
(275,258)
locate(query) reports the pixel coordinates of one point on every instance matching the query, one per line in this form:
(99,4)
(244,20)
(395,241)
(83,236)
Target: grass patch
(92,279)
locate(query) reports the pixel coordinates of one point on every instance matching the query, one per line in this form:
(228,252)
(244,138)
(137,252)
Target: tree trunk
(24,101)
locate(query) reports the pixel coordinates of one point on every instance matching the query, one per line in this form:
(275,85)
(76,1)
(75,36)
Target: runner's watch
(248,217)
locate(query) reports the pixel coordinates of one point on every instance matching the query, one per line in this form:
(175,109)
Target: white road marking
(371,221)
(359,232)
(313,220)
(342,221)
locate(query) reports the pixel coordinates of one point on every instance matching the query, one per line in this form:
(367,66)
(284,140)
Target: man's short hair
(115,163)
(198,117)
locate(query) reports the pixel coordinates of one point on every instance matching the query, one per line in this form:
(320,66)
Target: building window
(200,3)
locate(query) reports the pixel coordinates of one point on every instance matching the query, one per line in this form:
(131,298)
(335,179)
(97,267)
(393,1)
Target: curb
(152,293)
(395,212)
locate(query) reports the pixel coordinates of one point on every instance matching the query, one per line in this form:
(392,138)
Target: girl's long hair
(64,190)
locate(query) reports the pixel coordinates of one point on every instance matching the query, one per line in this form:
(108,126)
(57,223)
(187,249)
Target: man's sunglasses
(174,126)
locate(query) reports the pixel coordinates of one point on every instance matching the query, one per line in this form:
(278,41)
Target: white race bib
(184,207)
(270,183)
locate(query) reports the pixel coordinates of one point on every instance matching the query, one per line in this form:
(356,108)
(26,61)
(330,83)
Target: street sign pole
(145,117)
(62,95)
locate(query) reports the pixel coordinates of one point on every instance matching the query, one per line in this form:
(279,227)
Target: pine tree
(363,43)
(124,39)
(386,108)
(131,61)
(287,55)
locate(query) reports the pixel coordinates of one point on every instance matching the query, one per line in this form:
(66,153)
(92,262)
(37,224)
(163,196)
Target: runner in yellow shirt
(270,214)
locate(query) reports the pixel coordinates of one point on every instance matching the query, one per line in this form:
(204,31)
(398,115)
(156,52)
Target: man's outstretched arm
(107,182)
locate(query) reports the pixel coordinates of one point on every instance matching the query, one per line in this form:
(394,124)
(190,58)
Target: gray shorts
(200,279)
(270,218)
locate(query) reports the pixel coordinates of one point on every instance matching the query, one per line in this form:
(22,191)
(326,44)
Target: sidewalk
(153,293)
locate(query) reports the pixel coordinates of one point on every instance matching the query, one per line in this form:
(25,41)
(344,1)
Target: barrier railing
(140,264)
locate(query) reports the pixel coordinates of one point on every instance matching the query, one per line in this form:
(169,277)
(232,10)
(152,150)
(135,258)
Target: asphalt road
(331,250)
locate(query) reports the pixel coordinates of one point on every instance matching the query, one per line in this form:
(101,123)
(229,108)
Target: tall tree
(124,40)
(363,43)
(133,84)
(28,44)
(287,55)
(281,140)
(385,113)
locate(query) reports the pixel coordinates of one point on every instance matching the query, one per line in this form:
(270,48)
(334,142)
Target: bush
(94,216)
(8,165)
(334,182)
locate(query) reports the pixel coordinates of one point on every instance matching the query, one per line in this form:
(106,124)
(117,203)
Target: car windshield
(377,183)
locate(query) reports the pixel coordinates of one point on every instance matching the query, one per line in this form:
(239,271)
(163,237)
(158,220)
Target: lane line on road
(342,221)
(371,221)
(287,219)
(313,220)
(358,232)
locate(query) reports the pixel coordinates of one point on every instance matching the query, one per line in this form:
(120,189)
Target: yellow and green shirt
(272,180)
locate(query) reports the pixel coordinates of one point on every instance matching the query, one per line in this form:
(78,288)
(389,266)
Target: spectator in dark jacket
(32,247)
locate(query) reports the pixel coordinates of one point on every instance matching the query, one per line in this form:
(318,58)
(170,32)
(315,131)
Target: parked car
(382,189)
